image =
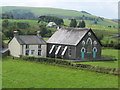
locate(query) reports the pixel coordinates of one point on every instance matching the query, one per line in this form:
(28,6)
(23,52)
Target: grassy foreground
(25,74)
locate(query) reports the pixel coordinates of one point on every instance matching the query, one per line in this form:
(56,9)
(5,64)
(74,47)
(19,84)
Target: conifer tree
(73,23)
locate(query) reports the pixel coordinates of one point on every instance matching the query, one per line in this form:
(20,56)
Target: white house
(52,24)
(28,45)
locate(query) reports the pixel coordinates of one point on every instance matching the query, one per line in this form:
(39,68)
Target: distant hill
(30,12)
(48,11)
(85,12)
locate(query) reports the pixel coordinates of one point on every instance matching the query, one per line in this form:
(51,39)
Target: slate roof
(68,36)
(30,39)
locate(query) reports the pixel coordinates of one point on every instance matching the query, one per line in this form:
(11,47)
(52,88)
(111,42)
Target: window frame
(27,52)
(32,52)
(39,53)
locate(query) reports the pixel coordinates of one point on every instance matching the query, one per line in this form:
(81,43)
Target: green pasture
(110,64)
(25,74)
(47,11)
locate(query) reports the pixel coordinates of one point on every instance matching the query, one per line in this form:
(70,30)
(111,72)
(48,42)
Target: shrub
(67,63)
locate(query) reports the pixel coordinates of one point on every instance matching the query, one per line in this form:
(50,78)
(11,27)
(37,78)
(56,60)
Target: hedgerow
(66,63)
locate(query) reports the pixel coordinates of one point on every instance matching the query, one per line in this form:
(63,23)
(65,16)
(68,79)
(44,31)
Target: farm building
(29,45)
(74,44)
(52,24)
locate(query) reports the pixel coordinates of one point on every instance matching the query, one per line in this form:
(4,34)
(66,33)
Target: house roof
(30,39)
(68,36)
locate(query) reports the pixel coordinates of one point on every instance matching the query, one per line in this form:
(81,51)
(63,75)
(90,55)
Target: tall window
(32,52)
(39,46)
(39,52)
(27,52)
(89,45)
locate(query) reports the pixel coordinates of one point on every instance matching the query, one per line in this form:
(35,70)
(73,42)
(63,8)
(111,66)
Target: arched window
(89,45)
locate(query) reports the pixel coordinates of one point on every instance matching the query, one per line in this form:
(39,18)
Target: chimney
(38,34)
(15,33)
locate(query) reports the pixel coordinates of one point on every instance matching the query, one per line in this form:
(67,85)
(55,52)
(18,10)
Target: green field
(110,64)
(66,14)
(25,74)
(46,11)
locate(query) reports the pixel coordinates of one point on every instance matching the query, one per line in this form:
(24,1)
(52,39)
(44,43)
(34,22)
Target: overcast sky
(103,8)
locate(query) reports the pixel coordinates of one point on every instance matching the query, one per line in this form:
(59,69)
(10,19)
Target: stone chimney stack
(38,34)
(16,33)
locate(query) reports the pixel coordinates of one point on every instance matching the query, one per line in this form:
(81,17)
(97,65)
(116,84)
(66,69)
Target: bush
(46,59)
(67,63)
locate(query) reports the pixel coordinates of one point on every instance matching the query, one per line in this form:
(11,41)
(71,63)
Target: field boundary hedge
(66,63)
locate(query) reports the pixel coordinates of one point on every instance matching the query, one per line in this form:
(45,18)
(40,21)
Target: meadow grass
(110,64)
(46,38)
(6,41)
(31,22)
(38,11)
(25,74)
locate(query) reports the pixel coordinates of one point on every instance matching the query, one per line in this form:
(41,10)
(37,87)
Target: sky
(103,8)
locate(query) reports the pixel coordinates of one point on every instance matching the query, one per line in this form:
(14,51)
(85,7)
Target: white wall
(35,48)
(15,48)
(44,50)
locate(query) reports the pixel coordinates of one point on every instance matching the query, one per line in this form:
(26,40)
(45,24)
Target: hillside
(66,14)
(106,27)
(46,11)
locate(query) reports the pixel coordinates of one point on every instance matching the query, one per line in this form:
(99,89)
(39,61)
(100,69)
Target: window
(39,46)
(39,52)
(27,52)
(83,42)
(32,52)
(51,49)
(89,45)
(89,34)
(70,51)
(95,43)
(27,46)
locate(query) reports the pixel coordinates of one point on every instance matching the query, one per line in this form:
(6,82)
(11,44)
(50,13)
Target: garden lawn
(25,74)
(110,64)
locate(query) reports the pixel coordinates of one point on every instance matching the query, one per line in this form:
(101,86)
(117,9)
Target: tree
(79,25)
(95,22)
(23,25)
(5,23)
(43,30)
(9,34)
(73,23)
(58,21)
(83,24)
